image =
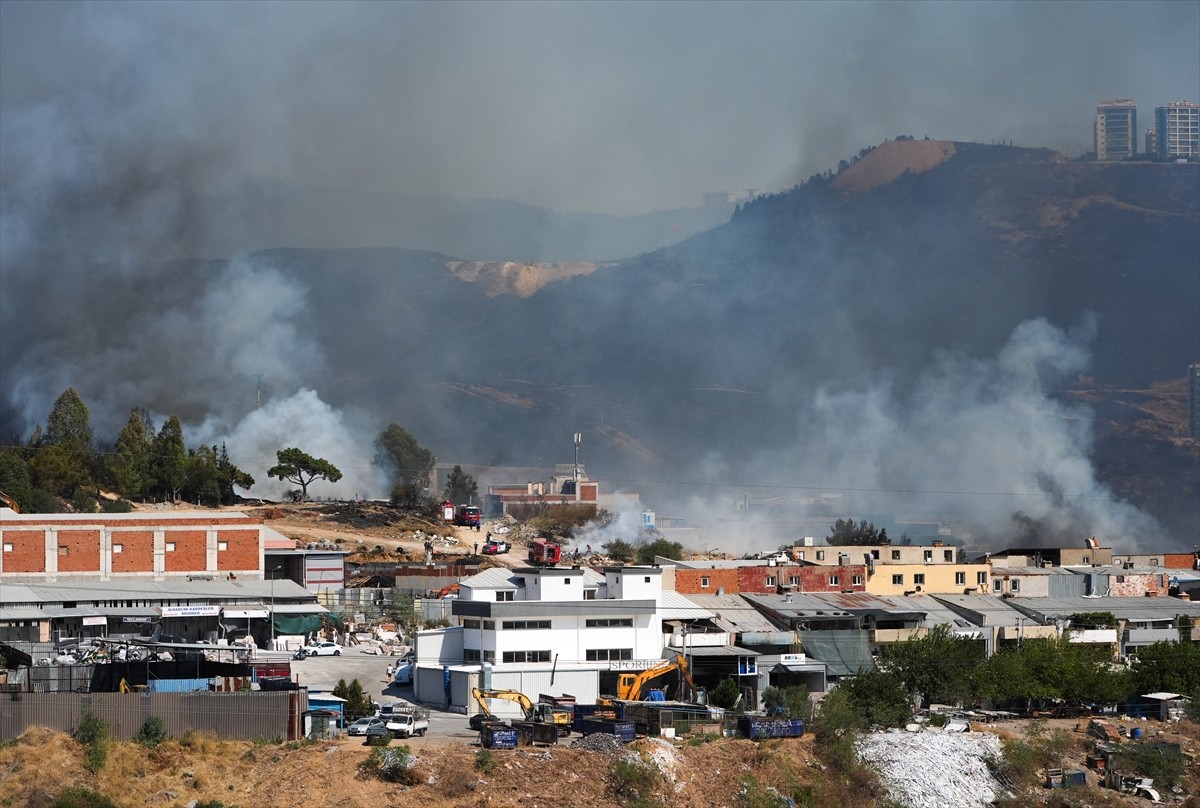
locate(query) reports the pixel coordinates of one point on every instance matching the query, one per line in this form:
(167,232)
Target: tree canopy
(845,532)
(461,487)
(303,469)
(407,463)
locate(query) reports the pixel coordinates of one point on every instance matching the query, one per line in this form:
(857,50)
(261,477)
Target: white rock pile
(934,769)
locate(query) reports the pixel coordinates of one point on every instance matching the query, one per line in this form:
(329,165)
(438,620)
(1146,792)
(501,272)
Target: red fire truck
(468,516)
(543,553)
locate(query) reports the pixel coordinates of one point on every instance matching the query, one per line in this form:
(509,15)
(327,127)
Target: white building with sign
(551,631)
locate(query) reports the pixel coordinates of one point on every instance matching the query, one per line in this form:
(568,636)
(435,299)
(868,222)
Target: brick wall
(28,552)
(137,551)
(688,582)
(241,551)
(79,550)
(190,553)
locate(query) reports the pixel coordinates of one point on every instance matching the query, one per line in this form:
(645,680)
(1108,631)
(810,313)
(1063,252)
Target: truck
(544,553)
(407,721)
(468,516)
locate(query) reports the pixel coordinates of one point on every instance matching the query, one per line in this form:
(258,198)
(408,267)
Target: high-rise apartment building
(1116,129)
(1178,128)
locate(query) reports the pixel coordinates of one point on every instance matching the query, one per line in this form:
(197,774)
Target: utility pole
(272,572)
(578,440)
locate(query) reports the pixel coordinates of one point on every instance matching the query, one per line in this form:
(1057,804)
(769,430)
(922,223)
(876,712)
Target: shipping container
(498,736)
(530,733)
(585,711)
(621,730)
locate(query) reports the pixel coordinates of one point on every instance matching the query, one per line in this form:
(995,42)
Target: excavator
(630,686)
(540,712)
(9,502)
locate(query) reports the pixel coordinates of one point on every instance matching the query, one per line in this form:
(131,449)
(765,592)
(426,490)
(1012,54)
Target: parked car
(323,648)
(495,547)
(363,725)
(404,674)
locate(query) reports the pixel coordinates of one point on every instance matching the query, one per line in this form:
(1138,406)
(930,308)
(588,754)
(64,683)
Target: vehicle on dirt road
(363,725)
(496,547)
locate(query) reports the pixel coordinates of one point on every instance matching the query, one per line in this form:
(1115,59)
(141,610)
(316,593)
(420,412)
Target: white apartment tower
(1116,129)
(1178,128)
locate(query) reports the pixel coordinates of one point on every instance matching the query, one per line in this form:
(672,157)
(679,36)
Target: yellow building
(937,579)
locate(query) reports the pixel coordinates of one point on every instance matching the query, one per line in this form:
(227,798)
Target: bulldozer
(541,712)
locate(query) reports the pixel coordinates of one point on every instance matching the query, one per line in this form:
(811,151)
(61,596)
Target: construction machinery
(630,686)
(9,502)
(542,713)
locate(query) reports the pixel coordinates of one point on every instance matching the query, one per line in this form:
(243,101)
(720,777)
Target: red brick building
(112,546)
(753,577)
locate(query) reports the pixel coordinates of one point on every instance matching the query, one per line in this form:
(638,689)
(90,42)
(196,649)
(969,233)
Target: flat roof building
(1115,129)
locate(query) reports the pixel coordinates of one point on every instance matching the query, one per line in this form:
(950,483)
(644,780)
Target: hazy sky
(618,107)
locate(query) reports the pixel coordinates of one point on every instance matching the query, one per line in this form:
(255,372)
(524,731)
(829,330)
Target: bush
(75,797)
(725,694)
(394,764)
(484,761)
(152,732)
(632,779)
(1166,767)
(115,506)
(620,550)
(90,729)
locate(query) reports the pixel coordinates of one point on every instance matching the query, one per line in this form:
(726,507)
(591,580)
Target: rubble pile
(934,769)
(601,742)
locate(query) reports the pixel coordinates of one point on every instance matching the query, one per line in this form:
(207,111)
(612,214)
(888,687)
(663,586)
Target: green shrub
(484,761)
(632,779)
(725,694)
(394,764)
(90,729)
(152,732)
(1165,766)
(115,506)
(756,795)
(75,797)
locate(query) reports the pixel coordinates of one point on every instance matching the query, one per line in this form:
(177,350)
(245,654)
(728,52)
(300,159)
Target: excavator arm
(630,685)
(483,696)
(9,502)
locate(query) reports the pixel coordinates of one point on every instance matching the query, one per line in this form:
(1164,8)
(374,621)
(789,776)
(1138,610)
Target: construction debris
(601,742)
(934,769)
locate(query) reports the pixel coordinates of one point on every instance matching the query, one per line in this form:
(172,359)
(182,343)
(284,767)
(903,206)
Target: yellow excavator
(9,502)
(630,686)
(543,713)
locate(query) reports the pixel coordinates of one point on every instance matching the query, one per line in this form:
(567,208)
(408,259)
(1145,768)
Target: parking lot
(324,672)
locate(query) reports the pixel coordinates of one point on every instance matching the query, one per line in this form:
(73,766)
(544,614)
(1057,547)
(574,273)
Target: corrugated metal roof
(714,650)
(1160,608)
(993,611)
(734,614)
(220,588)
(680,607)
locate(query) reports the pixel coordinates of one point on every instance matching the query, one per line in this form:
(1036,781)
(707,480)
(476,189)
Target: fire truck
(544,553)
(467,516)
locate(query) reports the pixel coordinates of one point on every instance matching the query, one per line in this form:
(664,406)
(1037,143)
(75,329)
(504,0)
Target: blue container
(623,731)
(498,736)
(757,728)
(584,711)
(1136,732)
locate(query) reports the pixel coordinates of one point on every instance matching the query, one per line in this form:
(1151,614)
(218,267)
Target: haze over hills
(935,332)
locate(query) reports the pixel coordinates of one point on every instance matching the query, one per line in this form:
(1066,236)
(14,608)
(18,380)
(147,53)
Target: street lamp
(272,572)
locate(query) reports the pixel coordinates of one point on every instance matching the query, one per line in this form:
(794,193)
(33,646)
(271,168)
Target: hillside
(911,336)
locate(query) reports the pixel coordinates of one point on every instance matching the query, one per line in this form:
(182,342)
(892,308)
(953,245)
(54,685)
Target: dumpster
(621,730)
(756,728)
(498,736)
(614,712)
(530,733)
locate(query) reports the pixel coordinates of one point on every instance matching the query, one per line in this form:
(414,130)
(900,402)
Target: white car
(404,674)
(324,648)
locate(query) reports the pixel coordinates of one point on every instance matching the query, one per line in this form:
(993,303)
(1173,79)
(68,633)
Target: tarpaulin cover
(845,651)
(301,624)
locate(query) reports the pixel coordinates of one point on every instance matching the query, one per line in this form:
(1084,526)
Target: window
(875,554)
(64,551)
(170,547)
(118,548)
(1154,562)
(833,580)
(919,579)
(960,579)
(70,604)
(770,580)
(800,555)
(820,555)
(897,580)
(1120,579)
(647,579)
(895,555)
(1087,559)
(704,581)
(567,580)
(469,622)
(589,594)
(472,655)
(8,547)
(794,580)
(997,585)
(947,555)
(222,545)
(506,595)
(603,622)
(981,578)
(526,656)
(489,625)
(525,624)
(929,555)
(857,580)
(604,654)
(1015,585)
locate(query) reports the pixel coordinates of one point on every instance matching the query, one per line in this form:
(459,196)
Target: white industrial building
(549,630)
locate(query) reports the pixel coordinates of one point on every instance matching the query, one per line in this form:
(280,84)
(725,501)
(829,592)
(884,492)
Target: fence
(234,716)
